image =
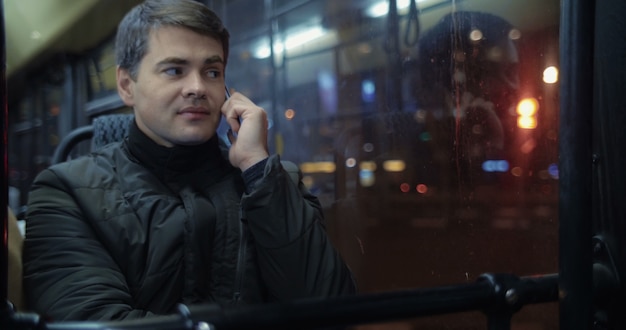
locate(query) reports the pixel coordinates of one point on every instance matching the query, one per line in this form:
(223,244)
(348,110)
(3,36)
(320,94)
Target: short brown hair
(131,42)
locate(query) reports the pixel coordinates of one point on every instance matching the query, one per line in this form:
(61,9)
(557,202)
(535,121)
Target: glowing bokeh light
(527,107)
(368,166)
(350,162)
(368,91)
(529,145)
(515,34)
(317,167)
(289,114)
(527,122)
(367,178)
(526,110)
(551,75)
(496,165)
(381,8)
(394,165)
(476,35)
(553,170)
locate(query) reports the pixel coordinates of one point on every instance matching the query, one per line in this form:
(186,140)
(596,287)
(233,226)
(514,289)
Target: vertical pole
(609,179)
(575,164)
(274,99)
(394,71)
(3,168)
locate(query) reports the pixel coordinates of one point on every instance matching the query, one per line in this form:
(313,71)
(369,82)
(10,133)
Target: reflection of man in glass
(465,84)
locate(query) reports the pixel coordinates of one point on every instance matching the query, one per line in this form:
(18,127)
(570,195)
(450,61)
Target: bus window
(431,139)
(427,128)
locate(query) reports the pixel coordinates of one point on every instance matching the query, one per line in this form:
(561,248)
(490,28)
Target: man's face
(179,89)
(500,76)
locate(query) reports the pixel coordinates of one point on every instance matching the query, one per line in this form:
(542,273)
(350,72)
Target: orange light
(317,167)
(526,110)
(529,145)
(394,165)
(526,122)
(527,107)
(368,166)
(289,114)
(516,171)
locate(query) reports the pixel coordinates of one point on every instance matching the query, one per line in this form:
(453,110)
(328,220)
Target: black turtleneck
(169,163)
(173,163)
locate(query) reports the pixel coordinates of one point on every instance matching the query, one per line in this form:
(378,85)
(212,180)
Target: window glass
(33,137)
(430,136)
(101,71)
(427,129)
(237,16)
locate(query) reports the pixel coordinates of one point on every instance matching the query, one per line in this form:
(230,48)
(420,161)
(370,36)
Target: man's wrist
(253,174)
(245,165)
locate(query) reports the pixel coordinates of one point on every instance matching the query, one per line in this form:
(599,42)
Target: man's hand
(249,123)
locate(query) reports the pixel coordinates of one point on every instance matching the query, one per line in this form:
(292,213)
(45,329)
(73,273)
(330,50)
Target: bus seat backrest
(109,128)
(112,128)
(104,130)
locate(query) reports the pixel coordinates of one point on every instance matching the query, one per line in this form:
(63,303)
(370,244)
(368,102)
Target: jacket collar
(165,161)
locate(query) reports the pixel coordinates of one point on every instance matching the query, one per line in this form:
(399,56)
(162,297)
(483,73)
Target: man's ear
(125,86)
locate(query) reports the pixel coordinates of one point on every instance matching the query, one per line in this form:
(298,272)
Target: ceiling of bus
(36,28)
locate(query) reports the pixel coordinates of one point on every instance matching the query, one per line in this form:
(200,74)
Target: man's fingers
(231,136)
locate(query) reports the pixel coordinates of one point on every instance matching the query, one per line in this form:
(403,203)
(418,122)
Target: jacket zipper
(241,255)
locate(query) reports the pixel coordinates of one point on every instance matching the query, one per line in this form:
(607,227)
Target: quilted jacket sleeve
(295,255)
(68,274)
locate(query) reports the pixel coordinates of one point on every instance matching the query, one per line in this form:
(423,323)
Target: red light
(404,187)
(422,188)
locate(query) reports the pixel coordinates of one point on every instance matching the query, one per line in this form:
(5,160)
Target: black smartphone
(229,132)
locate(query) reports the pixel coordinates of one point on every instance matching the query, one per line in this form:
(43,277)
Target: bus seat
(15,294)
(103,130)
(110,128)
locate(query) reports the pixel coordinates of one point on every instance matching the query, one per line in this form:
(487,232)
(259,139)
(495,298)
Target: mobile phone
(229,131)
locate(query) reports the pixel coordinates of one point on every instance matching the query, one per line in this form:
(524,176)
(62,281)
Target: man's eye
(173,71)
(213,73)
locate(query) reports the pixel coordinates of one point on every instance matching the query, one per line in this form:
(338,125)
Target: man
(165,217)
(466,83)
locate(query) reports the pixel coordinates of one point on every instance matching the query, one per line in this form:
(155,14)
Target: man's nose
(195,86)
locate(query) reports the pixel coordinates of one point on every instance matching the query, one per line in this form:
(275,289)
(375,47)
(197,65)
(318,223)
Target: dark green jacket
(135,229)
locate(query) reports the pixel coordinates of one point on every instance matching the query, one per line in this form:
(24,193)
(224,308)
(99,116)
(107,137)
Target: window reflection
(425,174)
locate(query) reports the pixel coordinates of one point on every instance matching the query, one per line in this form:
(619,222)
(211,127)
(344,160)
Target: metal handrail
(499,296)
